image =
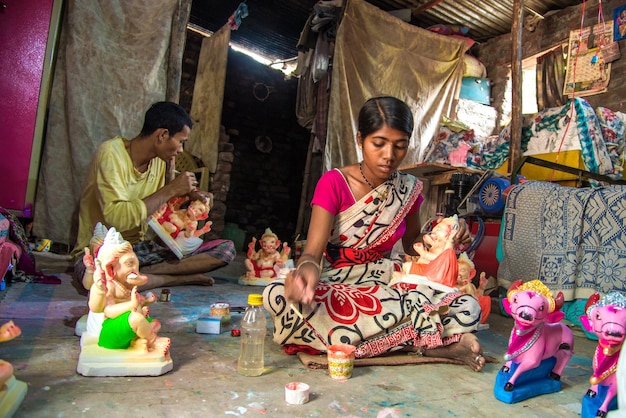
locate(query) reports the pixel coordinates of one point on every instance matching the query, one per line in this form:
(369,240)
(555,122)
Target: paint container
(222,310)
(296,393)
(340,361)
(165,295)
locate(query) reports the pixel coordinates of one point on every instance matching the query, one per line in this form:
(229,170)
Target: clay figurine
(437,259)
(181,223)
(120,337)
(606,317)
(265,265)
(12,391)
(467,272)
(539,346)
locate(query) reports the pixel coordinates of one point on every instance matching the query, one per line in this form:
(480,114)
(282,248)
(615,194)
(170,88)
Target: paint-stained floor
(204,381)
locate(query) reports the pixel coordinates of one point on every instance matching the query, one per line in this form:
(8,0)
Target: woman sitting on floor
(358,213)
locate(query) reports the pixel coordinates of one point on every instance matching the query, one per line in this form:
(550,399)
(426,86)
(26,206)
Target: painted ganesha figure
(180,218)
(118,313)
(437,260)
(268,260)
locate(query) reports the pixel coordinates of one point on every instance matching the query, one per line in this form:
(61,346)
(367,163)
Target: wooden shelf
(436,178)
(437,173)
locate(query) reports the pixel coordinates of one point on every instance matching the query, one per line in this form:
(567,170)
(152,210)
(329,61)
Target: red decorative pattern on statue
(344,303)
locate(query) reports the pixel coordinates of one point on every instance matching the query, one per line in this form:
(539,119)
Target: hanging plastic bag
(321,58)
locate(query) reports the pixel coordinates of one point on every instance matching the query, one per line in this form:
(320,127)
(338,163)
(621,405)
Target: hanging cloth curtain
(208,98)
(378,54)
(98,93)
(550,79)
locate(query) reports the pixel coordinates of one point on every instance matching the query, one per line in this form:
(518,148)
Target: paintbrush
(308,324)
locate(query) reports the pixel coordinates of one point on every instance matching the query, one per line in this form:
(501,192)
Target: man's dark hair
(168,115)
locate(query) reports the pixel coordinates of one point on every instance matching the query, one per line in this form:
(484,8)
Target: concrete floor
(205,383)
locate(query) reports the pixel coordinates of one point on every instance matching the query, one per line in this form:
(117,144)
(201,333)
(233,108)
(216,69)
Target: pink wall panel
(24,26)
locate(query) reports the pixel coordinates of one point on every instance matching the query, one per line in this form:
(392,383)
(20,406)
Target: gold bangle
(318,265)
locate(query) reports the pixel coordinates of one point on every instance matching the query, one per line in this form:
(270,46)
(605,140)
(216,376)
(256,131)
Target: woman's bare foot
(467,350)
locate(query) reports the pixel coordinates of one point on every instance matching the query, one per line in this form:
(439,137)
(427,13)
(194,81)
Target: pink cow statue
(606,317)
(539,346)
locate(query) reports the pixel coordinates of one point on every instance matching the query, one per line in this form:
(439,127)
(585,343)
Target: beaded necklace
(365,178)
(526,346)
(122,288)
(383,195)
(594,380)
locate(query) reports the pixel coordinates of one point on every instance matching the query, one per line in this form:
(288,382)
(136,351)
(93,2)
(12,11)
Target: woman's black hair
(168,115)
(385,110)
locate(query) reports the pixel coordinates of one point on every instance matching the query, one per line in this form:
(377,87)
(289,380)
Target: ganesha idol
(177,223)
(605,317)
(268,263)
(120,339)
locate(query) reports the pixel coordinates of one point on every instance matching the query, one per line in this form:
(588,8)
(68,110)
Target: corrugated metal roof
(273,27)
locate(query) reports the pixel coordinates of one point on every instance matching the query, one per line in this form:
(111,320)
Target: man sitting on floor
(126,183)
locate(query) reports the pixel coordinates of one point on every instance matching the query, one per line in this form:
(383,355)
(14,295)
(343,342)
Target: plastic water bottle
(253,329)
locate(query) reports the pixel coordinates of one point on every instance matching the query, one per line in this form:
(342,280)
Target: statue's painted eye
(542,308)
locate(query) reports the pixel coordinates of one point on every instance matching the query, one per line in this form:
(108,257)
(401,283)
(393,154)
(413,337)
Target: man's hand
(184,184)
(170,170)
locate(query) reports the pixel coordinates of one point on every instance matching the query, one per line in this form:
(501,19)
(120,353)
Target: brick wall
(253,189)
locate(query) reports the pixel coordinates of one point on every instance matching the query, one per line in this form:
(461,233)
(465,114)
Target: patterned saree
(354,303)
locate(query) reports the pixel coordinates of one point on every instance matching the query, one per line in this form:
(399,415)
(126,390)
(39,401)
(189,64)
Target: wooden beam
(178,38)
(424,7)
(516,83)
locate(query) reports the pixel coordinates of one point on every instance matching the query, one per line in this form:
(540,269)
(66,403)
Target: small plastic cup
(340,361)
(296,393)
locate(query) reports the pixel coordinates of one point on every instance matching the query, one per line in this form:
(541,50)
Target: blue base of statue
(591,405)
(529,384)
